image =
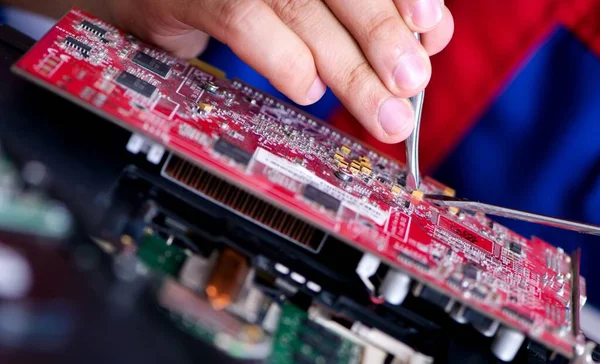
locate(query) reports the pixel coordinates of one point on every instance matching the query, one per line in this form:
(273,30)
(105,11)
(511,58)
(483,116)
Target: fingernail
(426,13)
(395,116)
(411,72)
(317,90)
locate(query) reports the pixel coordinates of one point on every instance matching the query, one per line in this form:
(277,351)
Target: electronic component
(299,339)
(507,343)
(470,271)
(324,199)
(136,84)
(195,271)
(247,205)
(204,107)
(433,296)
(83,48)
(91,27)
(395,287)
(227,332)
(152,64)
(154,252)
(515,247)
(227,279)
(232,151)
(211,87)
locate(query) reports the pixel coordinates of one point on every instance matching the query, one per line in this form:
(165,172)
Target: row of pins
(243,202)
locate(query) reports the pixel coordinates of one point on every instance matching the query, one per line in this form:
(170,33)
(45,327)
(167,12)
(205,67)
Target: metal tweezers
(413,182)
(413,177)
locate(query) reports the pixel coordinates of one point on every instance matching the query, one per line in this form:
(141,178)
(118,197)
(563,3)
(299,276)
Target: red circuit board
(310,170)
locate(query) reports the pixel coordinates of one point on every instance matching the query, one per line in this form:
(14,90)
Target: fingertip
(436,40)
(425,15)
(316,91)
(396,119)
(412,72)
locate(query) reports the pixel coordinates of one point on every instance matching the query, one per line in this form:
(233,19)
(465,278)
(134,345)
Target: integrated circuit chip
(414,261)
(91,27)
(515,247)
(136,84)
(83,48)
(434,297)
(232,151)
(324,199)
(470,271)
(152,64)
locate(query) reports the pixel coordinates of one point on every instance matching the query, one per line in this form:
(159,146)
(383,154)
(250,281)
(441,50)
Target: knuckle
(295,68)
(235,16)
(359,84)
(292,12)
(358,75)
(381,25)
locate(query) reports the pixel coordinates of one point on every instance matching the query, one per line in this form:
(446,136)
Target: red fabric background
(491,42)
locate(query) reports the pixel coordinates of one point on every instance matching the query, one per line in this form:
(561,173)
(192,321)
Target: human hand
(365,51)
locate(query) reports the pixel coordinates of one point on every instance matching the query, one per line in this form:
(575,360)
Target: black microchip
(89,26)
(478,319)
(470,271)
(232,151)
(83,48)
(318,344)
(433,296)
(479,293)
(152,64)
(301,358)
(136,84)
(414,261)
(516,314)
(515,247)
(455,281)
(323,332)
(401,179)
(324,199)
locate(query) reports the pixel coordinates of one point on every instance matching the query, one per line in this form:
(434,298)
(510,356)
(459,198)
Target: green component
(298,342)
(286,338)
(34,216)
(155,253)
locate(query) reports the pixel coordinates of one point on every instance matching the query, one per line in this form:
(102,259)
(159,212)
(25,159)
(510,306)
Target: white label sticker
(303,175)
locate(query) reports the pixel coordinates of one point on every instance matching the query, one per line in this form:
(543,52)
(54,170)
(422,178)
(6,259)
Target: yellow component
(227,279)
(204,107)
(354,169)
(396,189)
(366,170)
(417,194)
(449,192)
(453,210)
(208,68)
(345,149)
(364,159)
(355,164)
(343,164)
(338,156)
(126,240)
